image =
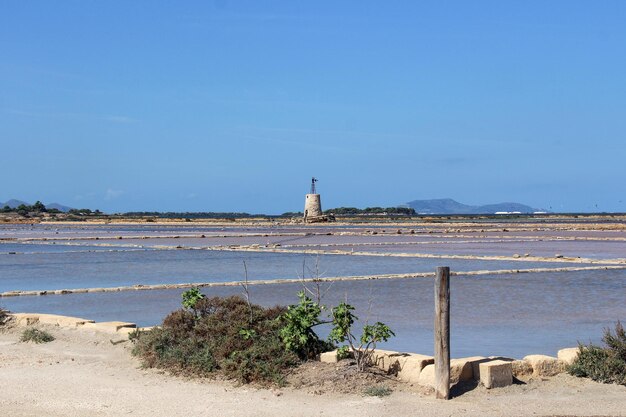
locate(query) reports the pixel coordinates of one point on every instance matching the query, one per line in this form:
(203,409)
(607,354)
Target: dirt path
(82,373)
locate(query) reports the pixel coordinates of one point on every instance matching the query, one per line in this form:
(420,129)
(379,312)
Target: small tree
(363,347)
(39,207)
(298,334)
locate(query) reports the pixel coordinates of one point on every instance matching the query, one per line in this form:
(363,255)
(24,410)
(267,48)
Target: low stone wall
(492,372)
(112,327)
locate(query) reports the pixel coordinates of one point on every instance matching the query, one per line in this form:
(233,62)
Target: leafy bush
(36,336)
(603,364)
(298,334)
(226,335)
(191,298)
(362,348)
(299,337)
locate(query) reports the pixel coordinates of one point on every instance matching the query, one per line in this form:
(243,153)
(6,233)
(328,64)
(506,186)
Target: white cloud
(112,194)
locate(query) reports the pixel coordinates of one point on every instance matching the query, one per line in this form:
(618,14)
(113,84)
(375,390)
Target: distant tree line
(39,207)
(353,211)
(25,209)
(293,214)
(189,215)
(85,212)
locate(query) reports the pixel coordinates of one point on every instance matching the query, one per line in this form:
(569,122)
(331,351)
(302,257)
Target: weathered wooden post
(442,333)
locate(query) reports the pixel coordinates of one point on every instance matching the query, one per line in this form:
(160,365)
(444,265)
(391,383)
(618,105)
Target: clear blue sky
(234,105)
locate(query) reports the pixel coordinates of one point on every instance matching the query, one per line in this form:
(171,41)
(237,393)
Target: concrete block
(544,365)
(496,373)
(567,356)
(410,367)
(329,357)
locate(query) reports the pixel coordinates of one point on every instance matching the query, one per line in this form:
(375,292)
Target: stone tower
(313,205)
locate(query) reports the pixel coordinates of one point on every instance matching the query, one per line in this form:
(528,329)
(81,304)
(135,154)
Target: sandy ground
(82,373)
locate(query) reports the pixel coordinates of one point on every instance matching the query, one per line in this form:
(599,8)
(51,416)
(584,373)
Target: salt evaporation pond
(575,249)
(510,315)
(71,270)
(32,248)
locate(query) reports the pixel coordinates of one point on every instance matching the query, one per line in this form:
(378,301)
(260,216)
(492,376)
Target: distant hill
(13,203)
(59,207)
(450,206)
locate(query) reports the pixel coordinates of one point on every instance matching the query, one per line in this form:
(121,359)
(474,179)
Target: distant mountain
(13,203)
(59,207)
(450,206)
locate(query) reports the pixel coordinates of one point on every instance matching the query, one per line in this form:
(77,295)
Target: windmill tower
(313,204)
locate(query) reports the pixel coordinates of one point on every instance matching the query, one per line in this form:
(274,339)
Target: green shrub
(603,364)
(363,347)
(36,336)
(377,391)
(226,335)
(298,334)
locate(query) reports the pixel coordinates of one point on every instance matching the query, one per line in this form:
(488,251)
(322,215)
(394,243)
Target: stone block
(476,366)
(495,373)
(329,357)
(410,367)
(383,358)
(126,330)
(460,370)
(393,362)
(109,326)
(25,319)
(427,376)
(567,356)
(521,368)
(544,365)
(28,319)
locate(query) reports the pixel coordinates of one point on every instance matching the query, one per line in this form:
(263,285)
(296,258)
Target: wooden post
(442,333)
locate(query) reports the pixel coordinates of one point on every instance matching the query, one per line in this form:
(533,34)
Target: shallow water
(30,248)
(67,270)
(574,249)
(509,315)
